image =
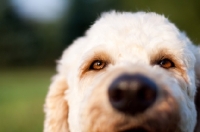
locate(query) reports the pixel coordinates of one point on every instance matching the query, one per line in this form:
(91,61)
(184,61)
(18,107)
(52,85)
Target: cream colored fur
(77,99)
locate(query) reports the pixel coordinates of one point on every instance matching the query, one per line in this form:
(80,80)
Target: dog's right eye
(97,65)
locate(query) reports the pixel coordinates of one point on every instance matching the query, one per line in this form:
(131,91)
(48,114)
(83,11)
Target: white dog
(131,72)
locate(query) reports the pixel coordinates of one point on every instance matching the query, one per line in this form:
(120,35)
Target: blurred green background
(31,41)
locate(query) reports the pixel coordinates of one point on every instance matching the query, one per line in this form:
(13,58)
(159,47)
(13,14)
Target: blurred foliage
(18,43)
(22,95)
(82,15)
(24,42)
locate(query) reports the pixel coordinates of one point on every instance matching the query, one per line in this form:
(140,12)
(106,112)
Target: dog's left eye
(97,65)
(166,63)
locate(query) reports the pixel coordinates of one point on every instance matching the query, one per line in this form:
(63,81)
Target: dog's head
(131,72)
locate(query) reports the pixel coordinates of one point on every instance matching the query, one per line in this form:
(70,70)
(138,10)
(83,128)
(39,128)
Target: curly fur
(129,43)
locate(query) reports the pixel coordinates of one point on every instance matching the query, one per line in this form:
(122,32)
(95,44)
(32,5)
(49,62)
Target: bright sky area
(40,10)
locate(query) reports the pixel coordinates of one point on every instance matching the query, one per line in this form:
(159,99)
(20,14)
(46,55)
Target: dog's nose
(132,94)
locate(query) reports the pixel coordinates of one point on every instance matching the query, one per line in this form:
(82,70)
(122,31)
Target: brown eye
(166,63)
(97,65)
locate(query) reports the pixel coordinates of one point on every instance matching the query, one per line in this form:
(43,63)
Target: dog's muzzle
(132,94)
(132,102)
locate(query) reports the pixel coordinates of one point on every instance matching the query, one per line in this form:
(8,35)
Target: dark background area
(29,49)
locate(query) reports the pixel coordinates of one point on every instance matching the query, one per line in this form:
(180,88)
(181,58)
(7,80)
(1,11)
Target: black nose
(132,94)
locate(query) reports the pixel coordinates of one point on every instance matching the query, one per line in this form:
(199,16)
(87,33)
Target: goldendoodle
(131,72)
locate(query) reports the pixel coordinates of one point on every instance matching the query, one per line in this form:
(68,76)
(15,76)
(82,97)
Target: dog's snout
(132,94)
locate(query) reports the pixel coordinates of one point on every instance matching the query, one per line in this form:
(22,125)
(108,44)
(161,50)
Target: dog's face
(130,73)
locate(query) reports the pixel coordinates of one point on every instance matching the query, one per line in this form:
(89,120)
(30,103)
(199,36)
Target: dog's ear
(56,107)
(197,99)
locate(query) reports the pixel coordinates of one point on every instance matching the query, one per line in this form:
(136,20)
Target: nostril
(147,95)
(116,95)
(132,93)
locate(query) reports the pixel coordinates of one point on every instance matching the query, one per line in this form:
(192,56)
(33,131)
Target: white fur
(130,39)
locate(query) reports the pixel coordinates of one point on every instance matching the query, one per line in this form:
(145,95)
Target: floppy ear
(56,107)
(197,99)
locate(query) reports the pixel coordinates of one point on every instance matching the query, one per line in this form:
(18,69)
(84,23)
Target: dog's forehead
(142,34)
(135,30)
(130,26)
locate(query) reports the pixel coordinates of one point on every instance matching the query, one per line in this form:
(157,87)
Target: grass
(22,95)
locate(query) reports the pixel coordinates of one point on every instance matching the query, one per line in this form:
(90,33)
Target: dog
(131,72)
